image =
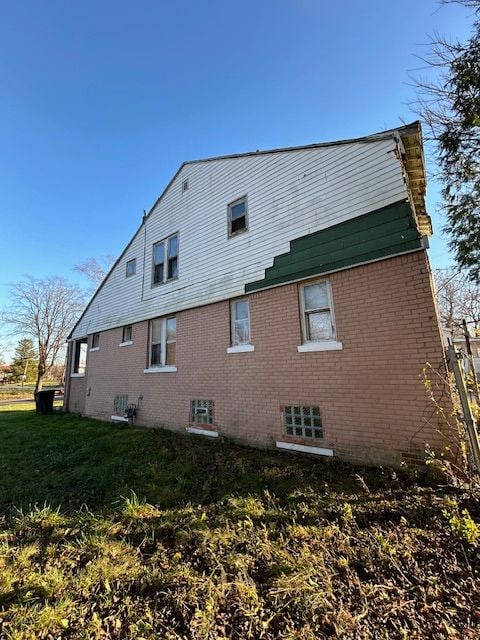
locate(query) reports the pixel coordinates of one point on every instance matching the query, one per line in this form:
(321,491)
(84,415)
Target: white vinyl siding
(290,194)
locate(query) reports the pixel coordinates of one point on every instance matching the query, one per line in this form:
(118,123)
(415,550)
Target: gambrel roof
(292,192)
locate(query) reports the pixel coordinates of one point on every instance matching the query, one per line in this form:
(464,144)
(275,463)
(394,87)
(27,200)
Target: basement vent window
(131,268)
(303,422)
(237,216)
(201,411)
(120,404)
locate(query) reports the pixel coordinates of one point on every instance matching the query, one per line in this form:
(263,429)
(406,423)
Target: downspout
(68,382)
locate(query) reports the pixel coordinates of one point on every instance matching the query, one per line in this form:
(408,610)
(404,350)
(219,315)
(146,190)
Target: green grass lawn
(114,532)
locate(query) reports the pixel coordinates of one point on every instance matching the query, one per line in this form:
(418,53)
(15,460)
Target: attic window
(184,186)
(131,268)
(237,216)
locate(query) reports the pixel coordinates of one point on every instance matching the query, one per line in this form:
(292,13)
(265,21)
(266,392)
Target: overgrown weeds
(255,545)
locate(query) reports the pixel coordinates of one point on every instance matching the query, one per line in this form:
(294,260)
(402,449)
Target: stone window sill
(126,344)
(202,432)
(77,375)
(94,349)
(290,446)
(241,348)
(166,369)
(325,345)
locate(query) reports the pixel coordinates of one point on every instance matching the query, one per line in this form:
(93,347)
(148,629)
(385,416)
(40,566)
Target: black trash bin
(44,401)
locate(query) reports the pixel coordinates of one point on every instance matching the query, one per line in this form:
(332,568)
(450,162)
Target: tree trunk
(40,373)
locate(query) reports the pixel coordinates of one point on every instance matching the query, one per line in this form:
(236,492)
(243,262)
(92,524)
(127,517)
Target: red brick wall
(372,399)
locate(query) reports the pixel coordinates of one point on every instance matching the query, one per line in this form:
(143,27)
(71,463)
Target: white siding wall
(290,194)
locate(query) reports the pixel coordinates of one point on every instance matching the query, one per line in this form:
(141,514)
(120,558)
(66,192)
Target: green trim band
(379,234)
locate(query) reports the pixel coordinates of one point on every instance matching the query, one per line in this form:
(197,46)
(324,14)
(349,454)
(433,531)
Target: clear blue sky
(101,101)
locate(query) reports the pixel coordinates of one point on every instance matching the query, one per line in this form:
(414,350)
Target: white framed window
(95,342)
(318,321)
(127,333)
(162,344)
(165,260)
(240,321)
(237,216)
(79,360)
(131,267)
(240,337)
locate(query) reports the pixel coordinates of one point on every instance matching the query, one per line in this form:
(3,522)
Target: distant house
(5,373)
(279,298)
(460,342)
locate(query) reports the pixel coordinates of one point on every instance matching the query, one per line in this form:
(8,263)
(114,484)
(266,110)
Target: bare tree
(45,310)
(458,299)
(95,269)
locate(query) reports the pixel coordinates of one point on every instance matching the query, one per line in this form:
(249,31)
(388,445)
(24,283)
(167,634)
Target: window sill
(94,349)
(159,284)
(202,432)
(126,344)
(241,348)
(166,369)
(119,419)
(77,375)
(327,345)
(290,446)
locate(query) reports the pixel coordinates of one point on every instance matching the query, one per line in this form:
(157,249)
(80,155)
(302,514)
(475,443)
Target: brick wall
(373,402)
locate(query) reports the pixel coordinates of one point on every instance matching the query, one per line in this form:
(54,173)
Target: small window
(237,216)
(240,317)
(163,341)
(127,333)
(79,362)
(303,422)
(165,260)
(201,411)
(184,186)
(318,322)
(95,341)
(131,267)
(120,404)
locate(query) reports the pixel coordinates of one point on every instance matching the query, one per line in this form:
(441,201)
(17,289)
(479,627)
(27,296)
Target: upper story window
(240,318)
(165,260)
(95,341)
(237,216)
(185,185)
(131,268)
(163,340)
